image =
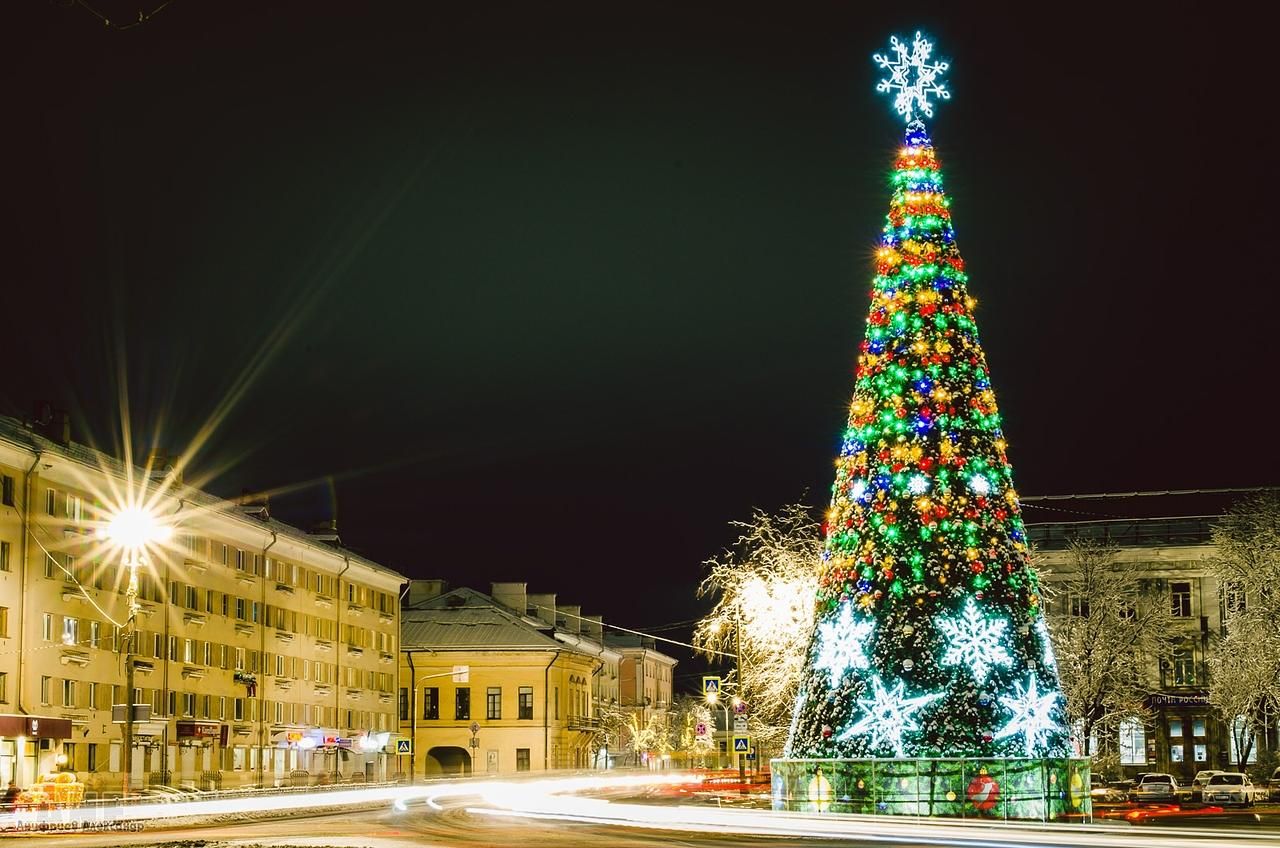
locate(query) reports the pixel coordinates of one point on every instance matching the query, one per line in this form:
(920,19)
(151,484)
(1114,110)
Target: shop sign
(1178,699)
(199,730)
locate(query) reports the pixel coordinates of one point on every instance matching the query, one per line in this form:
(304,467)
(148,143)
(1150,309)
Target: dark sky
(552,291)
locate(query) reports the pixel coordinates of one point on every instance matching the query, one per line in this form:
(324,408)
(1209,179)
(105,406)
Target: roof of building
(24,436)
(465,618)
(625,642)
(1129,519)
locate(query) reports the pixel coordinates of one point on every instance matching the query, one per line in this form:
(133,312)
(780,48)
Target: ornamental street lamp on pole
(132,530)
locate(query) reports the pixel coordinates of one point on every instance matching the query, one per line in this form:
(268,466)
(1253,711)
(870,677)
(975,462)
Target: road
(499,813)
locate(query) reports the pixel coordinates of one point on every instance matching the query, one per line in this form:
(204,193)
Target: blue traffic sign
(742,744)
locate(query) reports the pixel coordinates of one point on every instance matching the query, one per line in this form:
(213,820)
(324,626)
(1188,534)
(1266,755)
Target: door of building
(1188,745)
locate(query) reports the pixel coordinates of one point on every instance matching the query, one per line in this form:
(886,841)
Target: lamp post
(132,530)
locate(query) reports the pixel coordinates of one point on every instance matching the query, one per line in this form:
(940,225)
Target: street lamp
(132,531)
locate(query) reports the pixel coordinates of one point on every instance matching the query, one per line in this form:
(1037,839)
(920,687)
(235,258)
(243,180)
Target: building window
(1079,606)
(4,687)
(522,759)
(1133,743)
(46,627)
(431,703)
(526,703)
(4,622)
(50,566)
(555,699)
(73,507)
(95,634)
(404,703)
(493,703)
(93,756)
(46,683)
(1181,597)
(462,703)
(1184,667)
(6,490)
(50,502)
(4,556)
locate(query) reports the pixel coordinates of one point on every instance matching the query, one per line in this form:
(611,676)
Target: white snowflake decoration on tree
(842,641)
(975,641)
(1046,644)
(913,77)
(889,715)
(1032,715)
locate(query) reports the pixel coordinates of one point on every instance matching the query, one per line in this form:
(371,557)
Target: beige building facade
(1182,733)
(500,683)
(266,655)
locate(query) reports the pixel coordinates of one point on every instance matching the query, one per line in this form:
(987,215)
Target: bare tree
(1104,632)
(686,714)
(765,587)
(1244,665)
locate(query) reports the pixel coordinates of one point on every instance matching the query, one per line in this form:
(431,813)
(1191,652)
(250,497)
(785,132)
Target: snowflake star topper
(842,643)
(975,641)
(913,77)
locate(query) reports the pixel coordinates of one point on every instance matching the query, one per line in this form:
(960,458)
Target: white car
(1155,786)
(1232,787)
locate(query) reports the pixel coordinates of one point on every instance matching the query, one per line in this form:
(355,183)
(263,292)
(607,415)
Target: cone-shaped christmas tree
(930,639)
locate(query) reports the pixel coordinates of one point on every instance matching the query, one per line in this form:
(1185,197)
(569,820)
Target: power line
(143,17)
(1113,495)
(636,632)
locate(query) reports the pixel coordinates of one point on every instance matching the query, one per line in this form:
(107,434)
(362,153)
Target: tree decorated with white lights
(929,638)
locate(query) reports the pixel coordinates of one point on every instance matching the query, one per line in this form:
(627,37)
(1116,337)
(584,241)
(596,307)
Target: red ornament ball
(826,731)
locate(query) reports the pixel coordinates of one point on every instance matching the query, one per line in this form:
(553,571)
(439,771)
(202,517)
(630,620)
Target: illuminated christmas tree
(930,639)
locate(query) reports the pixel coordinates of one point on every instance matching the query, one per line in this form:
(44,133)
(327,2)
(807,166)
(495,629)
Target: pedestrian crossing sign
(742,744)
(404,746)
(711,687)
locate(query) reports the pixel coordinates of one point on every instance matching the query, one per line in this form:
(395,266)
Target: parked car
(1232,787)
(1273,785)
(1108,792)
(1199,781)
(1154,786)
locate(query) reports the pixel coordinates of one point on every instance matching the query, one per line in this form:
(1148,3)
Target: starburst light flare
(913,77)
(976,642)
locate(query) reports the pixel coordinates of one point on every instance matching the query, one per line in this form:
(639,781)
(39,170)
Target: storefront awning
(35,727)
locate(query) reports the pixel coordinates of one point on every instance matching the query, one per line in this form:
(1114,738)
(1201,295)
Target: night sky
(552,292)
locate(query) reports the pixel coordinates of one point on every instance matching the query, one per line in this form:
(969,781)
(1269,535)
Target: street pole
(131,599)
(737,633)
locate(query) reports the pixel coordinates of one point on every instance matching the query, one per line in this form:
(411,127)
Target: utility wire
(143,17)
(636,632)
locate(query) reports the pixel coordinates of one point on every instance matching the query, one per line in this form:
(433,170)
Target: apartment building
(645,675)
(499,683)
(265,654)
(1170,537)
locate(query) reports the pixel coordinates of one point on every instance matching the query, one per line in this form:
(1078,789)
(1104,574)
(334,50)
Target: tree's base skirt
(969,788)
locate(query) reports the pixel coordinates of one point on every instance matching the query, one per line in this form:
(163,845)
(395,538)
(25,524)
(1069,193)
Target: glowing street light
(133,531)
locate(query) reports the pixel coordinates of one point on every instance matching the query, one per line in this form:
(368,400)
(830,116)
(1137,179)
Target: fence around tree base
(974,788)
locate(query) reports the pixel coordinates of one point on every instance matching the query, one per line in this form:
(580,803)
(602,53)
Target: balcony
(386,618)
(353,651)
(284,588)
(325,645)
(244,629)
(355,609)
(284,636)
(192,672)
(195,619)
(246,578)
(386,658)
(70,656)
(355,694)
(324,601)
(577,722)
(321,689)
(284,683)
